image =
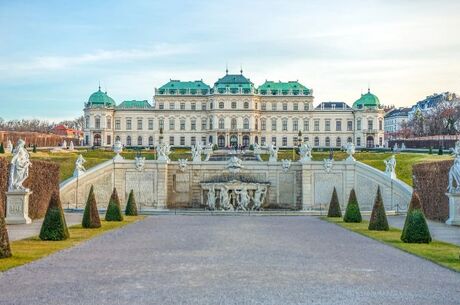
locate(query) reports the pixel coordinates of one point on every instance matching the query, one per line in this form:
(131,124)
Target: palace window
(305,106)
(370,124)
(295,125)
(349,140)
(285,123)
(203,140)
(233,105)
(172,124)
(233,125)
(349,125)
(139,124)
(274,106)
(263,124)
(221,105)
(316,126)
(274,140)
(182,106)
(182,141)
(380,141)
(128,141)
(358,141)
(246,123)
(171,140)
(193,141)
(193,106)
(139,141)
(263,140)
(150,141)
(210,124)
(98,122)
(193,124)
(203,106)
(109,140)
(117,124)
(284,141)
(182,124)
(87,122)
(305,139)
(273,124)
(338,142)
(358,124)
(221,123)
(284,106)
(150,124)
(210,105)
(338,125)
(203,124)
(161,106)
(316,141)
(264,106)
(109,123)
(327,125)
(380,125)
(246,105)
(296,107)
(328,142)
(161,124)
(128,124)
(306,125)
(117,138)
(172,106)
(256,124)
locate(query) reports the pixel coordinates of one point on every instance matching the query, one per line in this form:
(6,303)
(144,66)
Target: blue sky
(54,53)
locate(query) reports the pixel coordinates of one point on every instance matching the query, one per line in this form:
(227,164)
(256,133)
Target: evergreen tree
(54,226)
(113,209)
(91,215)
(5,250)
(34,148)
(352,213)
(415,227)
(2,149)
(378,221)
(334,206)
(131,208)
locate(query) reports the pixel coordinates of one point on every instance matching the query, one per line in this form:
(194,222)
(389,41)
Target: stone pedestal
(454,209)
(17,207)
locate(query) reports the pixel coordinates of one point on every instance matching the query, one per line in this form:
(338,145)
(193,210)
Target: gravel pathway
(230,260)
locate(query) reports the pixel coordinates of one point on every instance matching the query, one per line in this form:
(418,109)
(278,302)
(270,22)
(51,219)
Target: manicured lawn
(31,249)
(404,161)
(444,254)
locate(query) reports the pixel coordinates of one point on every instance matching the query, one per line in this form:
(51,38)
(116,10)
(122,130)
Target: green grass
(404,161)
(30,249)
(441,253)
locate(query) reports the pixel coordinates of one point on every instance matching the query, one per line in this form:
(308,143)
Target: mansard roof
(333,106)
(134,105)
(280,88)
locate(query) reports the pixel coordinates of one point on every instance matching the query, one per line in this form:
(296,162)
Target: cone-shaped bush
(2,149)
(415,227)
(131,208)
(378,221)
(352,213)
(91,215)
(5,250)
(54,226)
(334,206)
(113,209)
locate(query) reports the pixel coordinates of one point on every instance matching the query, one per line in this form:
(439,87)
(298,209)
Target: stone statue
(390,166)
(163,151)
(285,164)
(403,147)
(305,152)
(118,149)
(234,164)
(327,164)
(395,148)
(454,172)
(273,152)
(9,147)
(243,199)
(208,151)
(19,168)
(224,199)
(140,162)
(257,151)
(71,146)
(350,151)
(259,197)
(64,144)
(211,198)
(182,164)
(196,152)
(79,168)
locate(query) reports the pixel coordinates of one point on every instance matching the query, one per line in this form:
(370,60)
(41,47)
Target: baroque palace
(233,112)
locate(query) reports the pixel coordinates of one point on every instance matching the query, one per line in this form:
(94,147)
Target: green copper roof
(100,99)
(283,88)
(188,87)
(134,105)
(367,100)
(233,83)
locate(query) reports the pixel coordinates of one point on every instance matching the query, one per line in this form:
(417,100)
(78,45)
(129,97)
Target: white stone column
(454,209)
(162,185)
(307,189)
(17,207)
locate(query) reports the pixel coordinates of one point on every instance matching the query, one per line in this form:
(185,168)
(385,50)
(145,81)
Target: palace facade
(233,112)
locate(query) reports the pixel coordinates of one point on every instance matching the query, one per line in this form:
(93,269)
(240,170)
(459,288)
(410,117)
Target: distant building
(66,132)
(394,119)
(432,101)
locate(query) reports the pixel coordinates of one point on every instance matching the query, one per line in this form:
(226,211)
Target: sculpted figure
(273,152)
(305,152)
(212,198)
(182,164)
(454,172)
(224,199)
(243,199)
(140,162)
(196,152)
(64,144)
(163,151)
(71,146)
(208,151)
(19,167)
(259,197)
(257,151)
(9,147)
(350,151)
(285,164)
(79,168)
(390,166)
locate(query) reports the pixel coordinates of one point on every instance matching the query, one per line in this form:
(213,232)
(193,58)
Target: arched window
(233,105)
(117,138)
(316,141)
(221,105)
(306,139)
(246,105)
(128,141)
(139,141)
(246,123)
(234,123)
(221,123)
(97,123)
(263,124)
(109,122)
(150,141)
(338,142)
(246,141)
(328,142)
(349,140)
(256,124)
(87,122)
(221,141)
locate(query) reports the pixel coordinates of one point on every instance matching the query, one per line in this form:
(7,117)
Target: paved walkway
(230,260)
(16,232)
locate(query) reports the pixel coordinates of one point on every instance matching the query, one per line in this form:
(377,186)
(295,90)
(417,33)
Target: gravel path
(230,260)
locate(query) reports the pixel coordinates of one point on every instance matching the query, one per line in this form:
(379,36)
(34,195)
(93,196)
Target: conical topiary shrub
(131,208)
(415,227)
(334,206)
(5,250)
(91,215)
(352,213)
(378,221)
(54,226)
(113,209)
(2,149)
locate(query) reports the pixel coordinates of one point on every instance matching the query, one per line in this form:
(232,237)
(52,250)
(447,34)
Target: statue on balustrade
(19,167)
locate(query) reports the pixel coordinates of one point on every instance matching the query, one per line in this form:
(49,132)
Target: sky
(53,54)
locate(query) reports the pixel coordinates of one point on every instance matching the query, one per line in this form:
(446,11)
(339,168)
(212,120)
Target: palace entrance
(233,141)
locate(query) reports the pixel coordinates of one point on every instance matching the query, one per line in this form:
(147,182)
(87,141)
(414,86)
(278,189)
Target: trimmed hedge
(131,207)
(113,209)
(415,227)
(334,206)
(5,250)
(378,221)
(91,215)
(352,213)
(54,226)
(4,169)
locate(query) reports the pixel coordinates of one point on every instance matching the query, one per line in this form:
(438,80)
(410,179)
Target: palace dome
(100,99)
(367,100)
